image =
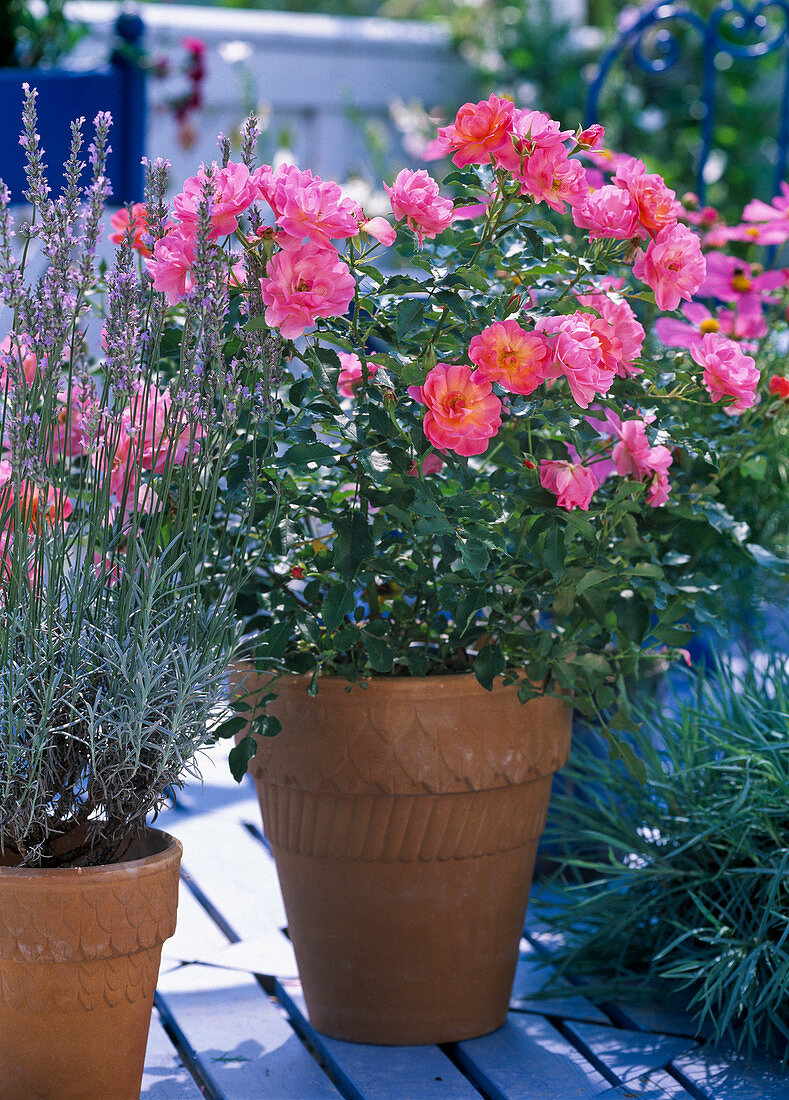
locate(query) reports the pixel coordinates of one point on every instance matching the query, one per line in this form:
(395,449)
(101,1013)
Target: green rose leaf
(488,664)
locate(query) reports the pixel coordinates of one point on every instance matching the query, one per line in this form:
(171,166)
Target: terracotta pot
(79,960)
(404,819)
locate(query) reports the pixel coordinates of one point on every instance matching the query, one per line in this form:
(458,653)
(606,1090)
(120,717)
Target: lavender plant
(112,641)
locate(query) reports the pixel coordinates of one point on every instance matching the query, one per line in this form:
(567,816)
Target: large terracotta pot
(404,819)
(79,960)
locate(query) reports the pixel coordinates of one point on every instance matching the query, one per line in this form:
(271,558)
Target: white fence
(323,84)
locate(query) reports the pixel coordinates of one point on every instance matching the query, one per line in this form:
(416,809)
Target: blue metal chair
(733,30)
(63,95)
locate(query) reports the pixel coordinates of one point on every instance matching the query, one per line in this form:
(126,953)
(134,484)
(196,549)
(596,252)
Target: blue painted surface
(728,21)
(64,95)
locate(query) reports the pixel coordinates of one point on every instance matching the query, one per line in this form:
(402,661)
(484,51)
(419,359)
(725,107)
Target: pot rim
(173,848)
(465,681)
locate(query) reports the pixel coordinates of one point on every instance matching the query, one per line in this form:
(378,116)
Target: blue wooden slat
(530,978)
(528,1059)
(714,1074)
(627,1054)
(655,1085)
(239,1040)
(366,1072)
(668,1017)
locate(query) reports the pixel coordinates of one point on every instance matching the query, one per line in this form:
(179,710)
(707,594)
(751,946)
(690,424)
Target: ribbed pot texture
(79,960)
(404,819)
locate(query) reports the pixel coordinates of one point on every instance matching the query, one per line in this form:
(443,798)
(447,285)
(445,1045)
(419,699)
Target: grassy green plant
(682,884)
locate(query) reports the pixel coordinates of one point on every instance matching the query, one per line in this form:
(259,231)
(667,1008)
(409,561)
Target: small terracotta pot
(404,819)
(79,959)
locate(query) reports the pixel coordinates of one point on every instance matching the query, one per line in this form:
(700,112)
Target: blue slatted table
(230,1022)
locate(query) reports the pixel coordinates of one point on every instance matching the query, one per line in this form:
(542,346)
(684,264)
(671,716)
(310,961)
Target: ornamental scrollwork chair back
(723,69)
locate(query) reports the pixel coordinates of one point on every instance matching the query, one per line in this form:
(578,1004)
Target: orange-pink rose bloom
(462,412)
(506,353)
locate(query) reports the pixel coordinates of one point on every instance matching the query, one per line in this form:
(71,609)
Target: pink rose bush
(495,444)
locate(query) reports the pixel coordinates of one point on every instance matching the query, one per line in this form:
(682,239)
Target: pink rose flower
(629,332)
(634,457)
(171,264)
(506,353)
(306,206)
(381,230)
(462,413)
(479,130)
(351,373)
(431,464)
(234,192)
(673,266)
(531,131)
(608,212)
(304,284)
(727,371)
(120,222)
(571,483)
(415,197)
(657,204)
(592,137)
(550,176)
(586,351)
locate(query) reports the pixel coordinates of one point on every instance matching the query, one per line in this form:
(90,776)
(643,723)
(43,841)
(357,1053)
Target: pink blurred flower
(479,131)
(673,266)
(234,192)
(571,483)
(304,284)
(608,212)
(769,221)
(727,371)
(462,413)
(351,373)
(585,351)
(747,327)
(734,280)
(17,349)
(415,197)
(506,353)
(67,435)
(171,264)
(55,508)
(120,222)
(657,204)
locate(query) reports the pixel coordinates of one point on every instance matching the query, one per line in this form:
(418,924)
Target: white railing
(323,84)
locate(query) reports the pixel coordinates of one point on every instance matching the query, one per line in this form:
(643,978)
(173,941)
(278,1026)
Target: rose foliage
(480,457)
